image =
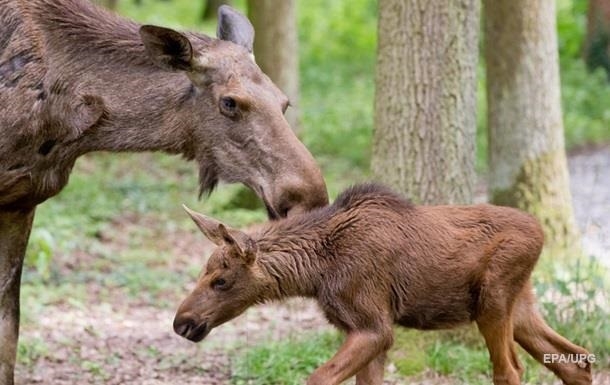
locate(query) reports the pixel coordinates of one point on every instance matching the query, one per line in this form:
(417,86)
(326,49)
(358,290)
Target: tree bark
(597,41)
(276,47)
(527,159)
(425,103)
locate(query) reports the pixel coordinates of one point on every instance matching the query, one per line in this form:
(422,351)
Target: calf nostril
(182,329)
(183,325)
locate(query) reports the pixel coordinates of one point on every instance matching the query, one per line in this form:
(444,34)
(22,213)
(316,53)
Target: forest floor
(94,330)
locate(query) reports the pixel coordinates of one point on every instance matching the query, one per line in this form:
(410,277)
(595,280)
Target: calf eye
(219,284)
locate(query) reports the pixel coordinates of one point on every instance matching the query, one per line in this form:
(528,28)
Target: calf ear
(235,27)
(240,242)
(169,49)
(209,227)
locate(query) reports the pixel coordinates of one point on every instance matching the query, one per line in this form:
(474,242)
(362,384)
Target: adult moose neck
(98,53)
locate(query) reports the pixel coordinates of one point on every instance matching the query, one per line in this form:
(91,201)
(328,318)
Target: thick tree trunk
(527,159)
(14,233)
(597,41)
(425,104)
(276,47)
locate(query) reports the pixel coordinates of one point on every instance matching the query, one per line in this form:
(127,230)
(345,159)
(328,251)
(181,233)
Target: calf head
(229,284)
(240,134)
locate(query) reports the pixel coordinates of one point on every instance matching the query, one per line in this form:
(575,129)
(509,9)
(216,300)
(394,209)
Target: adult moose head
(75,78)
(242,134)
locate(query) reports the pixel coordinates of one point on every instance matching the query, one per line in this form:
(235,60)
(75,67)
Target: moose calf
(372,260)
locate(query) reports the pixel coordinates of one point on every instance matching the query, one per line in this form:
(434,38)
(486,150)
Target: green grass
(286,362)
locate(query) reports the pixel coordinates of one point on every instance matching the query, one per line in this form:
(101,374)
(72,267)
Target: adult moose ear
(219,234)
(169,49)
(235,27)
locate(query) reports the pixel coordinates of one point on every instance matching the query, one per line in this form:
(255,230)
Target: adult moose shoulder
(75,78)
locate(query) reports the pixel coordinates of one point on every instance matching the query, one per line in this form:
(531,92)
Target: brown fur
(372,260)
(75,78)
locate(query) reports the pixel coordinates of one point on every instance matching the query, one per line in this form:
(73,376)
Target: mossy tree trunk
(425,103)
(276,47)
(527,159)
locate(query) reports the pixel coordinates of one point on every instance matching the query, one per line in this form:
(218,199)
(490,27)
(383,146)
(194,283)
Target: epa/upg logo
(579,359)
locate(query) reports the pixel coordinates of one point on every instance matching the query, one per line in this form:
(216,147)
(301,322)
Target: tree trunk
(597,41)
(527,160)
(425,103)
(276,47)
(211,8)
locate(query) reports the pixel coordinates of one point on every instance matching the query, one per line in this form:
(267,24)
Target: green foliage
(470,364)
(571,25)
(409,352)
(287,362)
(337,48)
(30,350)
(576,303)
(41,247)
(586,96)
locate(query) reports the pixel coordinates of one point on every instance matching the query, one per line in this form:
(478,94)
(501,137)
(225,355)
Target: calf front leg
(14,233)
(358,351)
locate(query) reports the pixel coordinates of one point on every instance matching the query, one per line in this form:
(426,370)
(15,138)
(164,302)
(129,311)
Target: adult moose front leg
(14,233)
(358,352)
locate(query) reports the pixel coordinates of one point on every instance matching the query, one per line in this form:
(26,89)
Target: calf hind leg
(542,342)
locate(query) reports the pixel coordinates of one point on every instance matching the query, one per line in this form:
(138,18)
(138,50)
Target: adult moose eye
(228,106)
(219,284)
(285,106)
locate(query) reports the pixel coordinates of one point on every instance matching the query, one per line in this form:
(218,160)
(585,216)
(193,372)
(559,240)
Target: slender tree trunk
(527,159)
(425,103)
(597,41)
(276,47)
(211,8)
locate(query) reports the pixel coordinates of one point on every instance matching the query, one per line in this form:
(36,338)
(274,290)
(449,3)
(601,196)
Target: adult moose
(372,260)
(75,78)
